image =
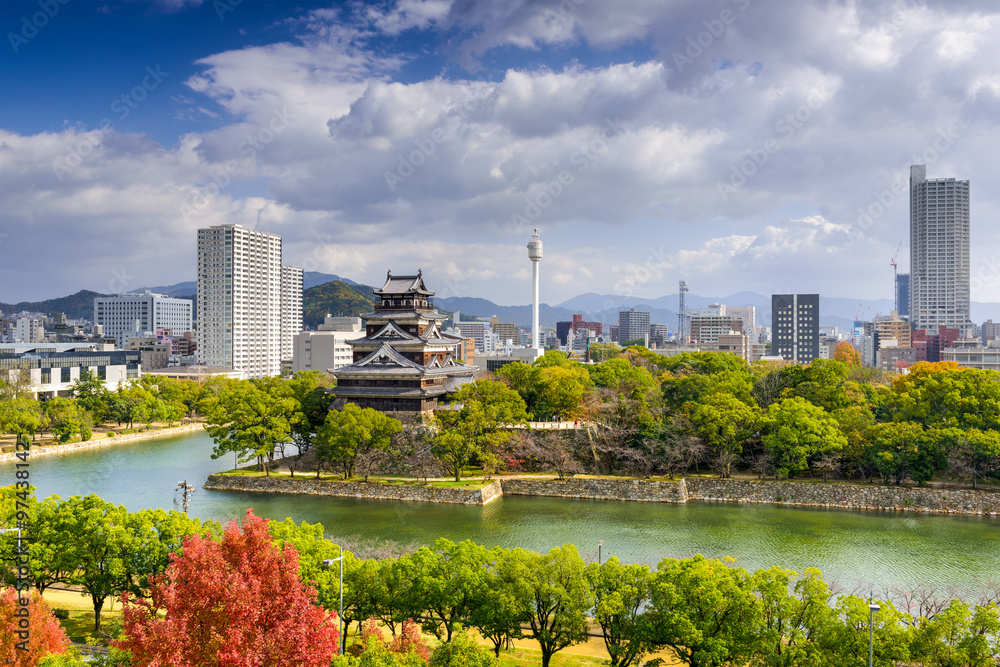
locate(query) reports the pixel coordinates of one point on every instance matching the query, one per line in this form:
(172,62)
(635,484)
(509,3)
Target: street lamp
(872,608)
(340,618)
(600,543)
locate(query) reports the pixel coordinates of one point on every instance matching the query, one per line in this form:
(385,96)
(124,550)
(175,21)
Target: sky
(734,144)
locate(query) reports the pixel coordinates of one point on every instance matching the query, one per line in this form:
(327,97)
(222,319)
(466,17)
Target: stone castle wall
(845,496)
(374,491)
(599,489)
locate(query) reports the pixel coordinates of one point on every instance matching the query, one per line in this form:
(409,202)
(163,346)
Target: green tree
(705,613)
(65,418)
(92,394)
(553,593)
(452,577)
(903,449)
(525,379)
(724,423)
(621,596)
(846,641)
(562,390)
(791,622)
(959,636)
(354,432)
(249,418)
(498,613)
(795,429)
(310,390)
(482,424)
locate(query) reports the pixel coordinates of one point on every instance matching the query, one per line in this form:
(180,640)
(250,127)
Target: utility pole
(187,490)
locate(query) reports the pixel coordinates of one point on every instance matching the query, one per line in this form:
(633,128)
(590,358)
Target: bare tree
(828,464)
(762,463)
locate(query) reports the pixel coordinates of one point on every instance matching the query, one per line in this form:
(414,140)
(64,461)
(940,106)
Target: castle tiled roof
(404,285)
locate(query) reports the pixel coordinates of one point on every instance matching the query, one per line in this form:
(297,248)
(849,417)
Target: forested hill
(75,306)
(334,298)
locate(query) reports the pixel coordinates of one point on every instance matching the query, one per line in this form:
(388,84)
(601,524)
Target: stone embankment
(846,496)
(102,441)
(607,488)
(838,496)
(372,491)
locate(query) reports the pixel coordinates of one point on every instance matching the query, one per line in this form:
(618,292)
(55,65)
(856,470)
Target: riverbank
(105,441)
(800,494)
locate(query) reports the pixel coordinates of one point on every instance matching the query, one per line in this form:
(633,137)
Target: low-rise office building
(51,371)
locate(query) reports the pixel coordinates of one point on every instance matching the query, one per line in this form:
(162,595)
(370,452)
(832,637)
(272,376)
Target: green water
(884,549)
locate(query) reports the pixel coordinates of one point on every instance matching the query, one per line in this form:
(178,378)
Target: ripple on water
(887,549)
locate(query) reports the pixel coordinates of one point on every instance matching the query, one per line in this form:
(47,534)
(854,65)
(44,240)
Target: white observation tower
(535,255)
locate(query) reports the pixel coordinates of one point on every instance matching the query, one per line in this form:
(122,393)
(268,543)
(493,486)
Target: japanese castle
(404,363)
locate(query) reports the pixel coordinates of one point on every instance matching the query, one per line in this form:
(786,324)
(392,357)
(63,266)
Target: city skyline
(732,145)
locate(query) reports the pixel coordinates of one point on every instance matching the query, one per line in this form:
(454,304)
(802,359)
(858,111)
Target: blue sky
(736,144)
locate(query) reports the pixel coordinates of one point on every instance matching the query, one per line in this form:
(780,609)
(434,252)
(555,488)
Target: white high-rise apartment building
(939,252)
(291,308)
(125,316)
(239,300)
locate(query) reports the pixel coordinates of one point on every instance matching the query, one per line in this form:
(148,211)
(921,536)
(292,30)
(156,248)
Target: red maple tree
(34,629)
(238,603)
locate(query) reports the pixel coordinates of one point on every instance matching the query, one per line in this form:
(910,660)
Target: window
(65,374)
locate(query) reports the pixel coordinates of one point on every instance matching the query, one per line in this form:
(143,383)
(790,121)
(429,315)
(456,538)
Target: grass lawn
(525,657)
(80,624)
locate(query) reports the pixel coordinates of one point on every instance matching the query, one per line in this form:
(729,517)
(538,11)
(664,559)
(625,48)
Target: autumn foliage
(43,632)
(238,603)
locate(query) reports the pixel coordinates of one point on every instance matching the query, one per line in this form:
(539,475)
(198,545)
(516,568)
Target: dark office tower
(903,295)
(939,252)
(795,327)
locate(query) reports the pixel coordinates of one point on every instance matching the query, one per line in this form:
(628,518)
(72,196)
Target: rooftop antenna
(259,211)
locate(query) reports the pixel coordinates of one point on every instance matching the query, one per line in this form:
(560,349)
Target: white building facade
(939,252)
(326,349)
(126,316)
(239,300)
(291,308)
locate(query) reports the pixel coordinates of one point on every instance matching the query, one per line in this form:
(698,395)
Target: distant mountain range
(327,293)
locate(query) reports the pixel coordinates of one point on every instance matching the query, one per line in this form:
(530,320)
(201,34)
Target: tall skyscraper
(240,300)
(903,295)
(939,252)
(125,316)
(795,327)
(291,309)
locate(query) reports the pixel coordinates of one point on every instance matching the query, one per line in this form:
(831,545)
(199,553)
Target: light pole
(340,617)
(872,608)
(600,543)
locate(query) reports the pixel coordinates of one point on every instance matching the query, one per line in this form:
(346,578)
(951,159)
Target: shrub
(463,651)
(61,614)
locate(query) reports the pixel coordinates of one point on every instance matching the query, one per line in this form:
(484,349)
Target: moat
(883,549)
